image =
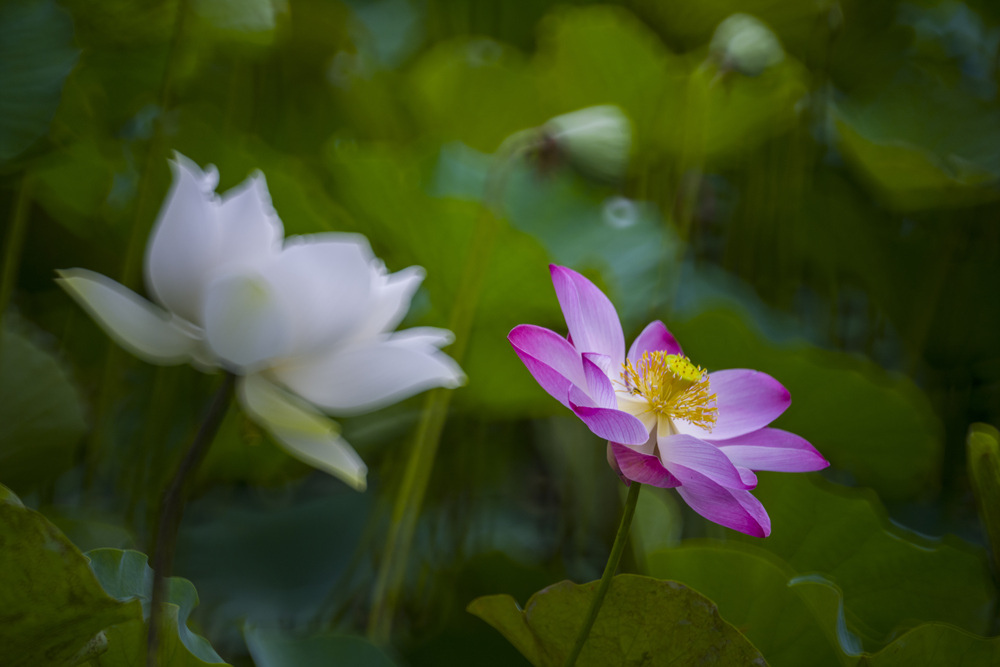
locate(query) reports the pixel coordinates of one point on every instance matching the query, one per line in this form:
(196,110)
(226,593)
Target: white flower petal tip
(207,179)
(391,296)
(303,432)
(139,326)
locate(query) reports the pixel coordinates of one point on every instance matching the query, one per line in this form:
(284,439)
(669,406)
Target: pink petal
(772,449)
(592,320)
(607,423)
(747,401)
(642,468)
(550,359)
(747,476)
(686,451)
(654,338)
(603,362)
(732,508)
(599,386)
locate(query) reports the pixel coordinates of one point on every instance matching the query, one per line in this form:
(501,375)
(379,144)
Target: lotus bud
(745,44)
(595,141)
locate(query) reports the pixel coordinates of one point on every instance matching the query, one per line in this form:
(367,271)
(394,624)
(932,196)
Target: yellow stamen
(673,386)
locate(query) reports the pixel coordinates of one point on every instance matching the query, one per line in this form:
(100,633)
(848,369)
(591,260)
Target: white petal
(428,339)
(374,373)
(247,324)
(303,432)
(185,244)
(391,295)
(139,326)
(326,282)
(251,232)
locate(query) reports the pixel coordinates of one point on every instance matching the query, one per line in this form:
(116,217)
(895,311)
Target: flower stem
(172,504)
(420,464)
(609,573)
(14,243)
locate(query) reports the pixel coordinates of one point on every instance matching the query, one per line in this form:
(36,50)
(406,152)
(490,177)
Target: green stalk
(609,573)
(172,506)
(410,498)
(14,243)
(428,436)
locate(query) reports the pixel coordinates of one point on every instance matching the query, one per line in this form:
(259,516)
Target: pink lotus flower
(668,422)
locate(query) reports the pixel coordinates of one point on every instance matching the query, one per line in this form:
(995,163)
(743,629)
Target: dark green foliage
(832,219)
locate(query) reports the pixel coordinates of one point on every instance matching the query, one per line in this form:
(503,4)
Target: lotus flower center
(673,386)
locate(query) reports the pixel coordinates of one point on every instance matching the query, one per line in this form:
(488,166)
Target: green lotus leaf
(643,621)
(52,607)
(41,415)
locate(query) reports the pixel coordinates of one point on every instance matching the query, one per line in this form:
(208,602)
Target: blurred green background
(830,217)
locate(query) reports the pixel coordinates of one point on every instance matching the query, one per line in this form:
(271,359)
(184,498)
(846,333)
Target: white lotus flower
(305,321)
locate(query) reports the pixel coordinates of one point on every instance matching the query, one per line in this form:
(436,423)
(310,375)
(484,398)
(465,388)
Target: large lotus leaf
(891,578)
(488,82)
(643,621)
(937,644)
(921,146)
(605,55)
(41,416)
(301,548)
(74,184)
(36,55)
(876,425)
(381,186)
(792,622)
(717,120)
(52,604)
(275,649)
(126,576)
